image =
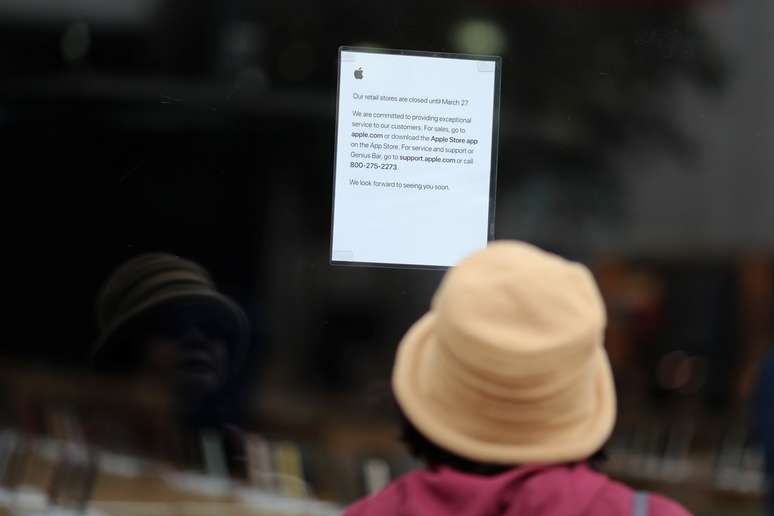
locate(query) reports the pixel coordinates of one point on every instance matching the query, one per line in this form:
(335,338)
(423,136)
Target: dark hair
(435,456)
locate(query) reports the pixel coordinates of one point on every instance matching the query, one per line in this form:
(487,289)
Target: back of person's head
(508,366)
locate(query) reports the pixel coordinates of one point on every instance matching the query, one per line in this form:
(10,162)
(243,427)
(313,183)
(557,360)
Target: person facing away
(507,393)
(161,320)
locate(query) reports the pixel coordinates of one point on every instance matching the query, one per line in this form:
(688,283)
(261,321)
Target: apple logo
(359,73)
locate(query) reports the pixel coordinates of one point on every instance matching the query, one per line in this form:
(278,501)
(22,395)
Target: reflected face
(194,365)
(187,350)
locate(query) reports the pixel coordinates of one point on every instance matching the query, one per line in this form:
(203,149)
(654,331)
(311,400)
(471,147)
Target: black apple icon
(359,73)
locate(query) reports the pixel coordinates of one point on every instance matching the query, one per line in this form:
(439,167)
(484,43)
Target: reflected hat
(151,282)
(508,366)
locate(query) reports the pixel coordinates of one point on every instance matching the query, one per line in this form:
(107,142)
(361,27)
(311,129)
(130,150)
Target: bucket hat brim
(434,416)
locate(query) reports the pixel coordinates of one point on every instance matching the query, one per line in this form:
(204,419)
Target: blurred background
(639,140)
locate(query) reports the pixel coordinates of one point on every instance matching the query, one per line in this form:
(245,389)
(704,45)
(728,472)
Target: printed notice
(415,157)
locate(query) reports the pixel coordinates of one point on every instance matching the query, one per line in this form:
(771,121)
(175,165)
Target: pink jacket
(568,490)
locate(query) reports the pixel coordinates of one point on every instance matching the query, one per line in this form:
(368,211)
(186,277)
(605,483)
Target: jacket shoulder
(618,498)
(663,506)
(381,503)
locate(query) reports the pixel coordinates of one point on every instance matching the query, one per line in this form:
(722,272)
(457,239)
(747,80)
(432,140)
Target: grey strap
(640,507)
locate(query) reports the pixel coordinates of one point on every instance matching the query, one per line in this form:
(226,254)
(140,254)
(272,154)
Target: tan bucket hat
(508,367)
(153,281)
